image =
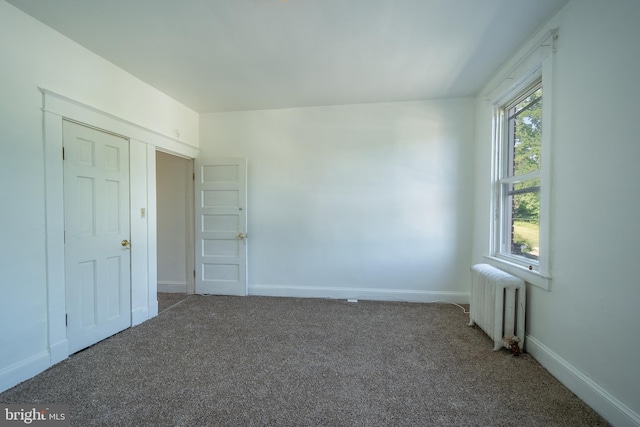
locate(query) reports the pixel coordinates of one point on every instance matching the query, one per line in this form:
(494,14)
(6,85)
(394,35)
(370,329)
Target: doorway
(174,201)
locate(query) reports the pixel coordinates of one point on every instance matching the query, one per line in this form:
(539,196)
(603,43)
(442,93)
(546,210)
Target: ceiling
(230,55)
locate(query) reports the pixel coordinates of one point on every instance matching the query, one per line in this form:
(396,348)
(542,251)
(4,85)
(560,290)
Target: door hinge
(66,320)
(194,176)
(194,274)
(62,153)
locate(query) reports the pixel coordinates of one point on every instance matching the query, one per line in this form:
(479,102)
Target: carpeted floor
(167,300)
(256,361)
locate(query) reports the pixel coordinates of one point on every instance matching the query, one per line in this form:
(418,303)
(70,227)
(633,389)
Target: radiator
(496,304)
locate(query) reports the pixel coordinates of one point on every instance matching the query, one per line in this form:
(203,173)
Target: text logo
(40,415)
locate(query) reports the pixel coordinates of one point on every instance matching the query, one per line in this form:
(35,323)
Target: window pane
(525,131)
(523,218)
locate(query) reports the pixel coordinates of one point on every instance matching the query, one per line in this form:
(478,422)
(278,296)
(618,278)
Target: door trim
(143,141)
(190,244)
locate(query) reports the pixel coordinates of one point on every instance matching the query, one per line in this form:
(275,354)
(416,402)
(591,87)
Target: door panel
(97,265)
(221,227)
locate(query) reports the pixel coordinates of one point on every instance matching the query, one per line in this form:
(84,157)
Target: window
(519,179)
(520,208)
(521,173)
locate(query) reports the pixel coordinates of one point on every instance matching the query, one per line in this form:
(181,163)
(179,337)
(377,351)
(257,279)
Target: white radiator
(496,304)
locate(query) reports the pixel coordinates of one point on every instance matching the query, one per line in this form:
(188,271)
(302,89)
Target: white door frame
(191,228)
(143,143)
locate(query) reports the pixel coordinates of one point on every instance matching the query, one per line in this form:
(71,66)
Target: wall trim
(139,229)
(139,315)
(599,399)
(67,107)
(526,65)
(152,233)
(18,372)
(153,308)
(58,351)
(172,286)
(373,294)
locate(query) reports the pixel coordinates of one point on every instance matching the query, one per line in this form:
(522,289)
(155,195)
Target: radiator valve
(511,343)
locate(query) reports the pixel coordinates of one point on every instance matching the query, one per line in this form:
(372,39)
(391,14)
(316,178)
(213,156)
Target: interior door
(221,226)
(97,255)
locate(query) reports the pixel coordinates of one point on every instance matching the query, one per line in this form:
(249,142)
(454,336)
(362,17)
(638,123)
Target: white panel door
(221,226)
(97,258)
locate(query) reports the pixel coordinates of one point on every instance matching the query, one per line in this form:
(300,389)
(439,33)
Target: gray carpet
(255,361)
(167,300)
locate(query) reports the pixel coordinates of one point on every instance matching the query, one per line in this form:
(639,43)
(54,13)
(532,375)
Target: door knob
(242,236)
(126,244)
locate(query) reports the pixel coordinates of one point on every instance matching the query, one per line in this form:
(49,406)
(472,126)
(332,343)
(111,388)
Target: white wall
(371,200)
(173,183)
(361,201)
(33,56)
(585,328)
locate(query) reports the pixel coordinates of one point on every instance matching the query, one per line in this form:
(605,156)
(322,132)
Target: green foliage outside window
(527,133)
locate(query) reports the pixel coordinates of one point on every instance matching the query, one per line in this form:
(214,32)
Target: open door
(221,226)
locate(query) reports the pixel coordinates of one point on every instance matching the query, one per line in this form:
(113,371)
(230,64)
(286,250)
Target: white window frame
(535,66)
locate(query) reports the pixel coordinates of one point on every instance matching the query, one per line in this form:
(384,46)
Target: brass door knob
(242,236)
(126,244)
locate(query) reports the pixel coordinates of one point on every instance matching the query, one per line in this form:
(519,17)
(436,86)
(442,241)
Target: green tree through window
(524,143)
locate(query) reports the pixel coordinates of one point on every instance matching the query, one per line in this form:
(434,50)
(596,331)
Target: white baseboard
(139,315)
(584,387)
(22,371)
(172,287)
(371,294)
(58,351)
(153,309)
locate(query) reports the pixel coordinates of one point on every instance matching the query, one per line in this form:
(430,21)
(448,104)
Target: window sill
(532,277)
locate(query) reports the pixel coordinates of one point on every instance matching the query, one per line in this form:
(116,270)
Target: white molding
(172,286)
(76,110)
(153,308)
(54,234)
(372,294)
(527,64)
(138,235)
(584,387)
(139,315)
(58,351)
(546,177)
(530,276)
(190,227)
(152,233)
(23,370)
